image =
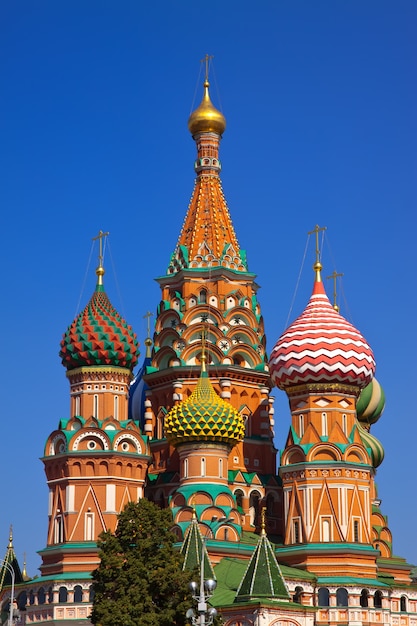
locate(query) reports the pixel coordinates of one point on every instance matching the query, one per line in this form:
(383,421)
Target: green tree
(140,581)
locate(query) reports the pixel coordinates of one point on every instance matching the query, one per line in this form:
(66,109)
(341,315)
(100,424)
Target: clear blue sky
(320,100)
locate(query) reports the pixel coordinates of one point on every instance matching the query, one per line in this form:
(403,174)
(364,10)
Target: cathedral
(295,539)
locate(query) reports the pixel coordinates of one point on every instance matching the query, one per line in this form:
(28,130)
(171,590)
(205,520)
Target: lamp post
(10,569)
(201,593)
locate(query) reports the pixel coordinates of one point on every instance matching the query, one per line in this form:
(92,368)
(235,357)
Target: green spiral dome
(204,416)
(371,403)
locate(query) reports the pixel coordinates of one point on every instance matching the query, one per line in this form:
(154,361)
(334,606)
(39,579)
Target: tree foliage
(140,581)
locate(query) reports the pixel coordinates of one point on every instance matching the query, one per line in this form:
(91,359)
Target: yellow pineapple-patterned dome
(204,416)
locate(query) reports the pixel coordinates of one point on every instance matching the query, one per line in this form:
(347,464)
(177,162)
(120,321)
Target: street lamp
(11,571)
(202,594)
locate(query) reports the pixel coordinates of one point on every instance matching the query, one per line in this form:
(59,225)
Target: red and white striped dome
(320,346)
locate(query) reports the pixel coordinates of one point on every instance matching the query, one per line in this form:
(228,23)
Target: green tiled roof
(193,548)
(263,577)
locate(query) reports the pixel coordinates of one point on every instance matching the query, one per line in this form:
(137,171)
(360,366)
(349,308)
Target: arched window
(203,296)
(58,529)
(325,530)
(22,601)
(89,526)
(378,599)
(403,604)
(364,598)
(220,468)
(31,597)
(255,496)
(78,593)
(41,595)
(323,596)
(301,424)
(203,467)
(342,597)
(50,595)
(239,499)
(63,594)
(91,594)
(185,468)
(116,407)
(344,423)
(298,592)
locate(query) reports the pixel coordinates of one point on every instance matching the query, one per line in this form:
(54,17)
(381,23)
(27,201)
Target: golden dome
(206,118)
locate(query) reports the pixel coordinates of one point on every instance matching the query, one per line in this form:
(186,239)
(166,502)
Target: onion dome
(206,118)
(374,447)
(320,346)
(371,403)
(204,416)
(99,335)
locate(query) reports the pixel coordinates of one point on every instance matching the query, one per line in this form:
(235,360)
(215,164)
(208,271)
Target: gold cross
(317,230)
(148,315)
(206,60)
(100,237)
(335,276)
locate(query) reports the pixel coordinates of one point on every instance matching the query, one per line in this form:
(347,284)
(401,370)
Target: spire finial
(335,276)
(10,537)
(207,60)
(203,350)
(100,269)
(317,265)
(263,521)
(148,340)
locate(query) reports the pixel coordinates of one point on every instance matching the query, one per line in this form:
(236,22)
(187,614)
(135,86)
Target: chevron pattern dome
(320,346)
(204,416)
(99,336)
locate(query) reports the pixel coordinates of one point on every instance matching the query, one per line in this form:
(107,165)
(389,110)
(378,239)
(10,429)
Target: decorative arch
(324,452)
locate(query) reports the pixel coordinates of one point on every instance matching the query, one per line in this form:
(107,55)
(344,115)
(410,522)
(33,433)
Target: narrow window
(301,424)
(89,527)
(364,598)
(344,423)
(63,594)
(325,530)
(297,531)
(77,405)
(203,467)
(185,468)
(95,406)
(220,468)
(356,531)
(58,529)
(116,407)
(324,424)
(403,604)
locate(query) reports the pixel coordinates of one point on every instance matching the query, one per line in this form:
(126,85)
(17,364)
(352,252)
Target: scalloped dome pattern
(320,346)
(374,446)
(99,336)
(204,416)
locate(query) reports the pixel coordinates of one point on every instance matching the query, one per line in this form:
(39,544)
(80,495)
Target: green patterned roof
(204,416)
(99,336)
(263,577)
(373,445)
(371,403)
(193,548)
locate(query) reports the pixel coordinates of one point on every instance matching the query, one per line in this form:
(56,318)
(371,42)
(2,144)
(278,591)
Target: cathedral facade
(296,540)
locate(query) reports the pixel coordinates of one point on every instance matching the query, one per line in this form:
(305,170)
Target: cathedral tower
(209,291)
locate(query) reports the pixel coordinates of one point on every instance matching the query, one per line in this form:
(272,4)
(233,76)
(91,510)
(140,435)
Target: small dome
(204,416)
(374,447)
(206,118)
(321,346)
(99,336)
(371,403)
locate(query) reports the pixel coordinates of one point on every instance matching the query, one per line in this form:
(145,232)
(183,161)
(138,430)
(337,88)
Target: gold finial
(263,521)
(24,572)
(10,537)
(317,267)
(100,269)
(203,350)
(335,276)
(207,60)
(148,340)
